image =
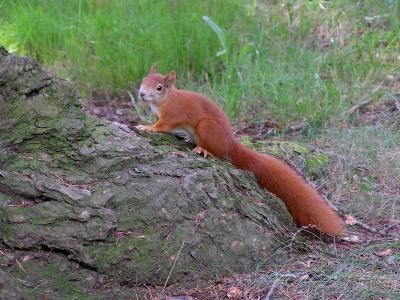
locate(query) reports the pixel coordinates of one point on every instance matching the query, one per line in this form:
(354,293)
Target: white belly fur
(154,110)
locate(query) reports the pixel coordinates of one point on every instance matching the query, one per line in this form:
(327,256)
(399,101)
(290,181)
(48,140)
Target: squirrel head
(155,87)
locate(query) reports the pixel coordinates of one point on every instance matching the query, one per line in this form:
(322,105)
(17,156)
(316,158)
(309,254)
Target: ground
(356,168)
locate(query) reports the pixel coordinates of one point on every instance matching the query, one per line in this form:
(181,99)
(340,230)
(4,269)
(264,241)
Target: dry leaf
(234,293)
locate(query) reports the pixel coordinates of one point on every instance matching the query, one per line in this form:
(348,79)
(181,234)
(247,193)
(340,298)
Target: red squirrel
(212,133)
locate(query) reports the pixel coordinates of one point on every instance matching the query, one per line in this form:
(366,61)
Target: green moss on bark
(117,202)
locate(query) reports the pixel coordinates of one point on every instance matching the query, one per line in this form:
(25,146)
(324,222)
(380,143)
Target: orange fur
(213,135)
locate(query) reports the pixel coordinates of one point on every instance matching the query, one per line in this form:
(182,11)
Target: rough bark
(84,201)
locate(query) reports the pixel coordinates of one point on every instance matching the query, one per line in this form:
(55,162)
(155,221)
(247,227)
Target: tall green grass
(293,60)
(108,44)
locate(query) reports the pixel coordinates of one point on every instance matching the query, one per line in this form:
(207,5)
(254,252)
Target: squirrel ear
(153,69)
(170,78)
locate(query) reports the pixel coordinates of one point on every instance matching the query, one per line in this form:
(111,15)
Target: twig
(272,289)
(371,229)
(173,266)
(22,268)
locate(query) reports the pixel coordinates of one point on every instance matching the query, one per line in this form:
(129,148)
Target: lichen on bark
(113,202)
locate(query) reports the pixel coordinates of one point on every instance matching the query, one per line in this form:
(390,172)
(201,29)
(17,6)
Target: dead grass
(337,271)
(364,178)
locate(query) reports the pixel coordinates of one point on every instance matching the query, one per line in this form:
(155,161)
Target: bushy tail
(304,203)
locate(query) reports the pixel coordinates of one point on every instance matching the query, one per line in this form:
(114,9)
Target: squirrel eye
(159,87)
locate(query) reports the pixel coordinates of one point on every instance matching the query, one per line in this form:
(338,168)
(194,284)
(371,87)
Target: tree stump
(84,202)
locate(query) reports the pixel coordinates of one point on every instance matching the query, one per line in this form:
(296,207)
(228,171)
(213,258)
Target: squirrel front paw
(144,127)
(201,151)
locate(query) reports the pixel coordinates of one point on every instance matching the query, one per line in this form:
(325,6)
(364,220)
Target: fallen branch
(371,229)
(350,220)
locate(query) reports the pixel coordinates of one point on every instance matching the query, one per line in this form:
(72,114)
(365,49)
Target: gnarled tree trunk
(84,201)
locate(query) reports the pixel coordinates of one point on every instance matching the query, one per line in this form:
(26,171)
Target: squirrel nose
(142,94)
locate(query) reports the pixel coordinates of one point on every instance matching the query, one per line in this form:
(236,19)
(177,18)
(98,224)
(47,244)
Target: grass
(364,178)
(321,273)
(297,61)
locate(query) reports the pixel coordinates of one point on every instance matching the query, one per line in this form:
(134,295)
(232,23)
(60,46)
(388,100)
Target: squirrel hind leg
(214,138)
